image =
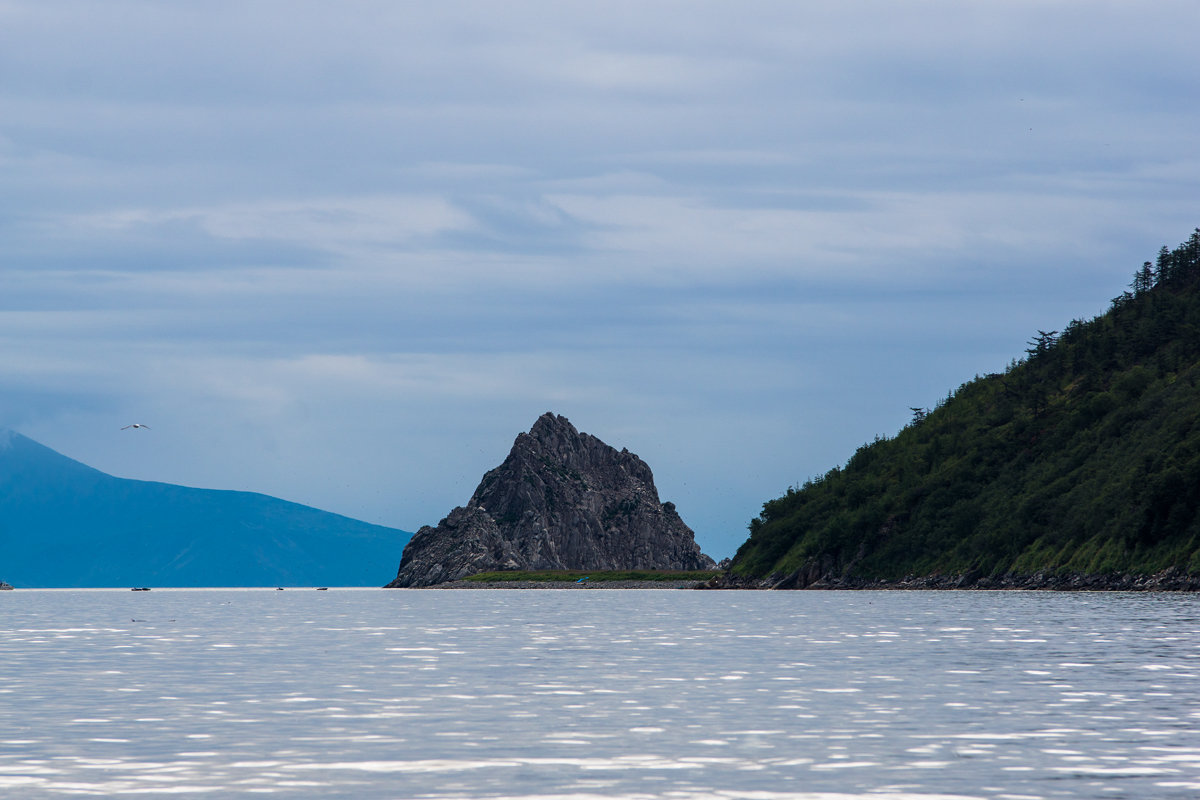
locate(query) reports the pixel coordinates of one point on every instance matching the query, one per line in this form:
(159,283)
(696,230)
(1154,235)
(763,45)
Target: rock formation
(561,500)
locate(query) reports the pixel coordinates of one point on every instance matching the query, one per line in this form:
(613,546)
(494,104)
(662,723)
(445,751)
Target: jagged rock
(561,500)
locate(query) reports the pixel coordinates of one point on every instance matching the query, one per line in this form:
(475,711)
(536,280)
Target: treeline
(1082,457)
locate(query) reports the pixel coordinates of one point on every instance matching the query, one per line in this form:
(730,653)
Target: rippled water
(587,693)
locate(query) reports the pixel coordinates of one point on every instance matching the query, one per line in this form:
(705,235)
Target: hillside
(1081,459)
(64,524)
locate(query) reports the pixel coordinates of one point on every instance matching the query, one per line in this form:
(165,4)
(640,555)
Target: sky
(343,253)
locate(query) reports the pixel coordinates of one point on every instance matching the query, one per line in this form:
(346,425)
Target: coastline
(567,585)
(1169,580)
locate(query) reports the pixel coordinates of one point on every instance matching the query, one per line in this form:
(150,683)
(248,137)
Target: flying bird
(136,425)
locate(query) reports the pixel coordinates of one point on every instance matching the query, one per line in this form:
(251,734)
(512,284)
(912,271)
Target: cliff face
(561,500)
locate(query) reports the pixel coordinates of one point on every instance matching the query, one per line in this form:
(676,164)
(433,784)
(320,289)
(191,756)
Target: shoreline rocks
(564,585)
(1170,580)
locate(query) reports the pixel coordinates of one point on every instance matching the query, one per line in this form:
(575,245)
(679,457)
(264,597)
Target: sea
(588,693)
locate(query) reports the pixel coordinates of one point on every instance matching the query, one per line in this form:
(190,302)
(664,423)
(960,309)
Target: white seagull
(136,425)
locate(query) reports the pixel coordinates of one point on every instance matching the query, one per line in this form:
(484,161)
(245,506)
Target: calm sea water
(599,694)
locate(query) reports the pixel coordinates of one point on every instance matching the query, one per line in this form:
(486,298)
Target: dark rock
(797,580)
(561,500)
(968,579)
(727,580)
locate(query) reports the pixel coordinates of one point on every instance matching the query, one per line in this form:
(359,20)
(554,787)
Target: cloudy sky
(342,253)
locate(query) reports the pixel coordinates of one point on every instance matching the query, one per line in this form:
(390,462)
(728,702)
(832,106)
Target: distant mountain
(64,524)
(561,500)
(1077,467)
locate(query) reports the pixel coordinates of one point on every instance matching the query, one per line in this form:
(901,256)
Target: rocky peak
(561,500)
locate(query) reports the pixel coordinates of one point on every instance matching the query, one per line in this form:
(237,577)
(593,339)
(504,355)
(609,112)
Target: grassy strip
(570,576)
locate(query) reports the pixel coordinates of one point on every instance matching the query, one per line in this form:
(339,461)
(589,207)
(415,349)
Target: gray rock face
(561,500)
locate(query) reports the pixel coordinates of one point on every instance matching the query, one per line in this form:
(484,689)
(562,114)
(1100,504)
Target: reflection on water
(604,694)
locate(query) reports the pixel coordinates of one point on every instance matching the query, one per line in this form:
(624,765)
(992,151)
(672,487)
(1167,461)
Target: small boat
(140,589)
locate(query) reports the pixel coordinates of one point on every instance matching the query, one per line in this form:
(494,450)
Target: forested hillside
(1081,458)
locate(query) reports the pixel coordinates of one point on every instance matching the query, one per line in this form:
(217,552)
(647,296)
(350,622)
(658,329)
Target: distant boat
(140,589)
(322,588)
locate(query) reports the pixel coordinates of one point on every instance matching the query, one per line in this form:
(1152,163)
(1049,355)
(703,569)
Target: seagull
(136,425)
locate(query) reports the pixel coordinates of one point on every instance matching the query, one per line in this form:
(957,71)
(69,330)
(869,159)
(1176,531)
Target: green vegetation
(1083,457)
(570,576)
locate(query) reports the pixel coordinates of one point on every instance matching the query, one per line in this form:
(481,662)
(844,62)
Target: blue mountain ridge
(65,524)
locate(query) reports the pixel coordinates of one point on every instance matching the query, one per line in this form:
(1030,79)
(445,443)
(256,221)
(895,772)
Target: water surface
(599,694)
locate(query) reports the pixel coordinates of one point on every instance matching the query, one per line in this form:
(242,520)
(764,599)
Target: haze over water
(587,693)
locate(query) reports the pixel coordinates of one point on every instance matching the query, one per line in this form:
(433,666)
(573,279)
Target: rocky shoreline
(1170,580)
(566,585)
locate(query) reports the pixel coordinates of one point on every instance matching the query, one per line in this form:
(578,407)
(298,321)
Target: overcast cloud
(343,253)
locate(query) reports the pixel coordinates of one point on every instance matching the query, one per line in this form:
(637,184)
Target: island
(561,500)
